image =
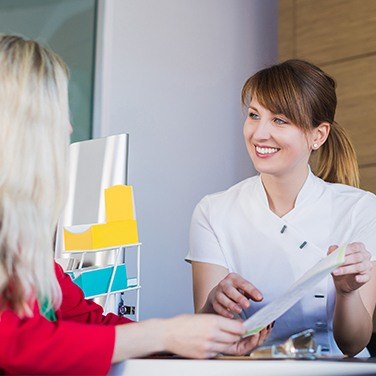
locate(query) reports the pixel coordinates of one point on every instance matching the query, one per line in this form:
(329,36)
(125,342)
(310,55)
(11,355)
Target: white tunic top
(237,230)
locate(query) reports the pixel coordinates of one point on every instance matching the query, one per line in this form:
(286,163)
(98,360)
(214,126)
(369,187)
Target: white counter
(185,367)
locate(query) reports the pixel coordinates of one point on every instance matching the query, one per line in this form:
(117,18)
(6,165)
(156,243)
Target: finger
(238,301)
(362,259)
(263,335)
(222,348)
(355,258)
(332,248)
(250,291)
(247,288)
(362,278)
(226,337)
(211,355)
(353,269)
(231,326)
(202,354)
(355,247)
(228,302)
(246,345)
(368,271)
(218,308)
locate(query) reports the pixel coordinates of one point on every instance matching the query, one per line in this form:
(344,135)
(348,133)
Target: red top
(80,342)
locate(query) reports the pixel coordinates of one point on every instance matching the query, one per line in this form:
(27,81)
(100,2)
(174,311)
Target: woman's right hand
(202,336)
(197,336)
(231,296)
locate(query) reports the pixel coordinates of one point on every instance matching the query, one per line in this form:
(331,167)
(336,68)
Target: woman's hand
(246,345)
(205,336)
(355,271)
(232,295)
(201,335)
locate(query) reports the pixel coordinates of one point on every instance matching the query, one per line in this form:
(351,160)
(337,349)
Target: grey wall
(174,70)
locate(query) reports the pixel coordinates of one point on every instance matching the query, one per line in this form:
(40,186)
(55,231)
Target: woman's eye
(254,116)
(280,121)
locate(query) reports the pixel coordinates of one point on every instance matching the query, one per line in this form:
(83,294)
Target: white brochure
(279,306)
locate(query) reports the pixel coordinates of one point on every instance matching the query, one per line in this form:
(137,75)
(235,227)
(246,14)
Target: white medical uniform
(237,230)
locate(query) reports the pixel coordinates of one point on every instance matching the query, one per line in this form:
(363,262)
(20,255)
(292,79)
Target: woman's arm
(192,336)
(216,291)
(34,345)
(355,283)
(205,278)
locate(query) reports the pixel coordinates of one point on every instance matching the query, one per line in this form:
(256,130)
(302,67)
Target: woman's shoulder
(349,193)
(233,193)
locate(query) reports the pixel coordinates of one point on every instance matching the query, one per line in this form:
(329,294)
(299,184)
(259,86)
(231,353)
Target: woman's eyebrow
(253,108)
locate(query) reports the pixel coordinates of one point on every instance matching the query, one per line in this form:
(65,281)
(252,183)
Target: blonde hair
(306,95)
(34,137)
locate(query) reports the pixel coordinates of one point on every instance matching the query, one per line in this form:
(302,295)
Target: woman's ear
(319,135)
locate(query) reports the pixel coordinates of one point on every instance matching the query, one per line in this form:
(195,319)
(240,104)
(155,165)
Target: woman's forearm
(190,336)
(207,307)
(352,324)
(138,340)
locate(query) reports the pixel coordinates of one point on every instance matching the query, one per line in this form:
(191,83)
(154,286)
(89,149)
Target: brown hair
(306,95)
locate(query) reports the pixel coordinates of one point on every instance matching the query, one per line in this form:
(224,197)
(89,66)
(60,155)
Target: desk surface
(185,367)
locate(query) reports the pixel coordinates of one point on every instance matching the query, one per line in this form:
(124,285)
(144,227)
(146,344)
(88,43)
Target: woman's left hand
(356,269)
(247,344)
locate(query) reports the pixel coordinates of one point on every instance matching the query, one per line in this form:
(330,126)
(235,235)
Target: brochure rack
(110,279)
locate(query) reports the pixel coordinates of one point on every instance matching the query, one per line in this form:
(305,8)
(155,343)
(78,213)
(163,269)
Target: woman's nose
(262,131)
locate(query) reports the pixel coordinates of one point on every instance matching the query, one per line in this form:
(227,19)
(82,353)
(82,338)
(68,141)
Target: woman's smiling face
(276,145)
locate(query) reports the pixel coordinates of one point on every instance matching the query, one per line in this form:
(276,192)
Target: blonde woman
(46,326)
(252,241)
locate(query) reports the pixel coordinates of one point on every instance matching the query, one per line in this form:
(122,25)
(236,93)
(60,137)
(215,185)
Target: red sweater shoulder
(75,307)
(81,341)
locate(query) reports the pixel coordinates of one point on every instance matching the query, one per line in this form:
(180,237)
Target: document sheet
(279,306)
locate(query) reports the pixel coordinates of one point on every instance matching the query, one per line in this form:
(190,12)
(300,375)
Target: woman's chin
(263,168)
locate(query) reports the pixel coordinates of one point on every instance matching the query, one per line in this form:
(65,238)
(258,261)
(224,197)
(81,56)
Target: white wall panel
(174,72)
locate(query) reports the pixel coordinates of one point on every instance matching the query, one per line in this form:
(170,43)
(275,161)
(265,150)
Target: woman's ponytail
(336,161)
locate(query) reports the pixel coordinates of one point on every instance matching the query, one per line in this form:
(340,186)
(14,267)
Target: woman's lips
(266,151)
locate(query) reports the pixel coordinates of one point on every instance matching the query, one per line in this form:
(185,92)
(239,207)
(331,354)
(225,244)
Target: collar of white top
(310,187)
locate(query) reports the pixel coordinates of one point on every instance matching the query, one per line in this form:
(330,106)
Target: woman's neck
(282,191)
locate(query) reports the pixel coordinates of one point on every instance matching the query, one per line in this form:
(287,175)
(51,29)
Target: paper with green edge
(266,315)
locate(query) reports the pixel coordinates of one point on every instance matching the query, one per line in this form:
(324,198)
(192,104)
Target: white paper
(279,306)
